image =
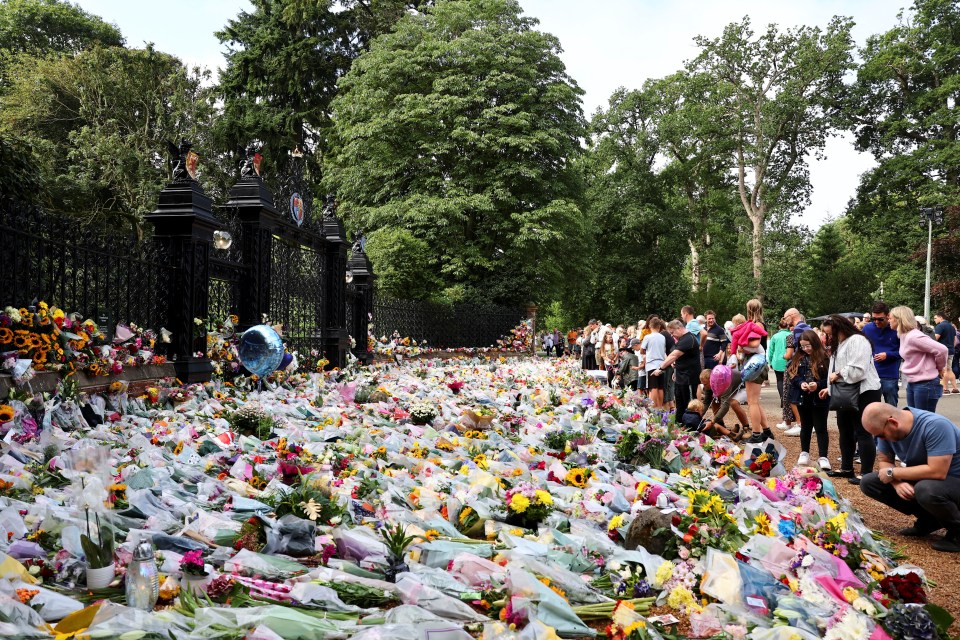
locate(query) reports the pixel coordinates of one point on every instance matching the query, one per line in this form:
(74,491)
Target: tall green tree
(49,27)
(689,121)
(635,255)
(284,59)
(838,277)
(783,91)
(460,126)
(99,122)
(903,110)
(903,104)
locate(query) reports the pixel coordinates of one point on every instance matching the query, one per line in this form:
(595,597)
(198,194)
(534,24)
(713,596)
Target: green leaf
(940,616)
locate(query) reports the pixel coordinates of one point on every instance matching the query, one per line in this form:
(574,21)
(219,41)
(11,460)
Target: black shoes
(949,544)
(841,473)
(760,438)
(918,530)
(854,480)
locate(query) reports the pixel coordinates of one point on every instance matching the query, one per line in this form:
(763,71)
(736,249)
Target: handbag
(845,396)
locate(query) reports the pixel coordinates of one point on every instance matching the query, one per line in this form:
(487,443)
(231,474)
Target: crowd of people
(853,367)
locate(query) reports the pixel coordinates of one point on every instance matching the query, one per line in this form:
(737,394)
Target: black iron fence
(445,326)
(184,269)
(105,275)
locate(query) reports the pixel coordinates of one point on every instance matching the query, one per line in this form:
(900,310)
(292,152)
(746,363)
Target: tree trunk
(757,218)
(695,267)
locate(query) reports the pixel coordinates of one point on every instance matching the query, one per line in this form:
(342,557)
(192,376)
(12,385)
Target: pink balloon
(720,379)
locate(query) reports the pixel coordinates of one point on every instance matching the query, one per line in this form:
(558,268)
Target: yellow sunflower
(6,413)
(577,477)
(6,335)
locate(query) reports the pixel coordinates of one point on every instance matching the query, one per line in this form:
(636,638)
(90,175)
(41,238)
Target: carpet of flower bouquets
(462,496)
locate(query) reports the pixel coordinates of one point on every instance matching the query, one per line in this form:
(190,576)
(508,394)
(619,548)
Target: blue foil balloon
(260,350)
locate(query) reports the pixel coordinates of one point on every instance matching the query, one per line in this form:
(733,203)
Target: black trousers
(936,503)
(853,436)
(684,393)
(814,419)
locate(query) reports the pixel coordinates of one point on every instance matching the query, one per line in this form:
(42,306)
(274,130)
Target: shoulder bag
(845,396)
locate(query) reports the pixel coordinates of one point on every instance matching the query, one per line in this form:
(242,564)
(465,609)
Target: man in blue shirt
(690,321)
(946,334)
(886,351)
(929,486)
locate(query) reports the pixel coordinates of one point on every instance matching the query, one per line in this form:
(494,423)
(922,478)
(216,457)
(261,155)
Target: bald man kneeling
(929,486)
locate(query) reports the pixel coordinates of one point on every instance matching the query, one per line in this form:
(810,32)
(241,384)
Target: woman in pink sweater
(923,360)
(745,339)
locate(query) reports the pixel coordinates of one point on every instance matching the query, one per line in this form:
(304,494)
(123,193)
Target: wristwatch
(890,473)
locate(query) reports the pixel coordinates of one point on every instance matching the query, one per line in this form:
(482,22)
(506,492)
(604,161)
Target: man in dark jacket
(886,351)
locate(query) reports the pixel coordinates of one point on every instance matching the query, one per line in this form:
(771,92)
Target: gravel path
(942,568)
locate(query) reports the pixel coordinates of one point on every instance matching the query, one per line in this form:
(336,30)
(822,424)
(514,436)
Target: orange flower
(24,595)
(6,413)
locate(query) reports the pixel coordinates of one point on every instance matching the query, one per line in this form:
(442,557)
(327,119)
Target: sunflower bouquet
(526,505)
(578,477)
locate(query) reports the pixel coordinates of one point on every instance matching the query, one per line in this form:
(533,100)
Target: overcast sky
(607,44)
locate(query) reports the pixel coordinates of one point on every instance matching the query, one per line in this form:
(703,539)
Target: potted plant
(422,413)
(100,566)
(397,541)
(88,492)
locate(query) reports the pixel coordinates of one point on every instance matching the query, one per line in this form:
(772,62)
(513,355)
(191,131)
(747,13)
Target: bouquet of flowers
(706,524)
(762,462)
(422,413)
(917,622)
(252,420)
(192,563)
(834,536)
(527,506)
(907,588)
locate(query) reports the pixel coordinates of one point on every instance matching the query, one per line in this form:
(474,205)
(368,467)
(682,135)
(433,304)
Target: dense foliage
(461,126)
(453,137)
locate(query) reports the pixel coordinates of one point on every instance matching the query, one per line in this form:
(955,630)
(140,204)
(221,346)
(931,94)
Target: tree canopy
(782,92)
(461,126)
(452,135)
(40,27)
(98,123)
(284,59)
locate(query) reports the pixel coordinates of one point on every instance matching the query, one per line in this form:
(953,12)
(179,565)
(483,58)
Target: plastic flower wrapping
(512,499)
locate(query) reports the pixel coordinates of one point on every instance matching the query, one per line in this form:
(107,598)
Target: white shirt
(854,361)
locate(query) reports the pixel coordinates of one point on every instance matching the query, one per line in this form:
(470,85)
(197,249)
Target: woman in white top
(653,351)
(851,361)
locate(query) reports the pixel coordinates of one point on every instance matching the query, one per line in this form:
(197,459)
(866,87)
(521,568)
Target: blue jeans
(924,395)
(889,389)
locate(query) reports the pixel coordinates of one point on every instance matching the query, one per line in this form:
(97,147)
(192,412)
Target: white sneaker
(824,464)
(792,431)
(781,425)
(803,460)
